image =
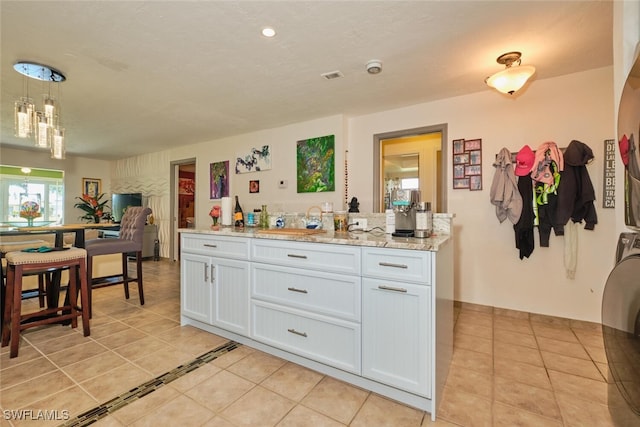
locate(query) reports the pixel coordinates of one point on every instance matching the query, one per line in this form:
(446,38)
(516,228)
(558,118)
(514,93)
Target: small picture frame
(458,171)
(458,146)
(472,170)
(475,157)
(461,183)
(472,144)
(475,183)
(254,186)
(461,159)
(91,186)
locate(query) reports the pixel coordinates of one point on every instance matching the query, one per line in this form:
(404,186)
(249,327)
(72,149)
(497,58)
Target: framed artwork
(475,183)
(254,186)
(467,164)
(475,157)
(186,186)
(256,160)
(458,146)
(472,170)
(472,144)
(461,183)
(219,180)
(461,159)
(91,186)
(315,161)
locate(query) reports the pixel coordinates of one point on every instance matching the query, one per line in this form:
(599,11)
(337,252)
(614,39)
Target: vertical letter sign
(609,187)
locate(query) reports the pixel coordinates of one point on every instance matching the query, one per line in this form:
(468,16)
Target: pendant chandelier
(513,77)
(42,125)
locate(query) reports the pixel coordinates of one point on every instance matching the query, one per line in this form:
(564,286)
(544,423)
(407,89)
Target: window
(43,186)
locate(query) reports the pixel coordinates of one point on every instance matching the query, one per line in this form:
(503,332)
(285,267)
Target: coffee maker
(404,204)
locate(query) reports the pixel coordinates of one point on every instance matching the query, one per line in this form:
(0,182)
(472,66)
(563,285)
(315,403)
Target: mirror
(629,127)
(411,159)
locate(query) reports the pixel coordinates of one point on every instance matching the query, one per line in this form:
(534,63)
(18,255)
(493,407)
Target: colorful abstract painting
(316,164)
(219,179)
(256,160)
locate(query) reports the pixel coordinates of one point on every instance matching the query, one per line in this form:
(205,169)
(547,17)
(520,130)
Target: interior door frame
(174,185)
(377,160)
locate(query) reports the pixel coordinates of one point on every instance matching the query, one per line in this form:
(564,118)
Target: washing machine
(621,331)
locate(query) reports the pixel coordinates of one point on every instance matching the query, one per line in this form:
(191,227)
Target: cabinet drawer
(330,341)
(325,293)
(397,264)
(316,256)
(219,246)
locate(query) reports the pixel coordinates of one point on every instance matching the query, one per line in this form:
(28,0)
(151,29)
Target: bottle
(238,215)
(390,221)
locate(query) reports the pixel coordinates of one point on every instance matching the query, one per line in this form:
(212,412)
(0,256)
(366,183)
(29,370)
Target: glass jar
(340,221)
(424,220)
(264,217)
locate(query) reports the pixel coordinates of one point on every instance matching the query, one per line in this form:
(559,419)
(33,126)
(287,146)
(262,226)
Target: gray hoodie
(504,189)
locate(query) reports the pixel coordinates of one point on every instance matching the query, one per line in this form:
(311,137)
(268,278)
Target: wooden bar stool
(21,263)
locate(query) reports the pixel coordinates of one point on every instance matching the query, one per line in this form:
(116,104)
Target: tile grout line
(92,415)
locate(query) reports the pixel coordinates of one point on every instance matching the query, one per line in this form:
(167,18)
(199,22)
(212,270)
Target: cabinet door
(195,282)
(230,280)
(396,325)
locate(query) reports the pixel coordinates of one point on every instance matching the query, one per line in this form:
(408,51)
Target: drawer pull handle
(302,291)
(293,331)
(209,246)
(391,288)
(388,264)
(297,256)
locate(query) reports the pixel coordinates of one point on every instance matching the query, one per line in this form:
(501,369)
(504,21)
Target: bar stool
(21,263)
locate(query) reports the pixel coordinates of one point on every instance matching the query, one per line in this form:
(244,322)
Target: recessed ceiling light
(268,32)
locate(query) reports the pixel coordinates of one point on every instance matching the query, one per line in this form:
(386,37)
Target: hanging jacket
(524,227)
(545,173)
(576,194)
(504,189)
(546,153)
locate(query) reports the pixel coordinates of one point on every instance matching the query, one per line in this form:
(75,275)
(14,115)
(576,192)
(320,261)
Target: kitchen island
(369,309)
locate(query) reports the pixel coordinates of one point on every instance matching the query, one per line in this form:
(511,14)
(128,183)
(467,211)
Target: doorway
(411,159)
(183,193)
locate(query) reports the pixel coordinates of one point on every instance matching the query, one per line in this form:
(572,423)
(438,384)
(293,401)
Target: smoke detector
(374,66)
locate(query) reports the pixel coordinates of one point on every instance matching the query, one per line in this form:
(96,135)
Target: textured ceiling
(147,76)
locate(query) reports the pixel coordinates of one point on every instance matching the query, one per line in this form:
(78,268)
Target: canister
(340,221)
(424,220)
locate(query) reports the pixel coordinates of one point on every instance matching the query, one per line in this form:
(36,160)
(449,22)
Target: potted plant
(93,207)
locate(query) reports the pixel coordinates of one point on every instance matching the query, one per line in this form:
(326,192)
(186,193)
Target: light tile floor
(509,368)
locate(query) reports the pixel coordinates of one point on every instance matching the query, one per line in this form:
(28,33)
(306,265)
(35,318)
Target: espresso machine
(404,204)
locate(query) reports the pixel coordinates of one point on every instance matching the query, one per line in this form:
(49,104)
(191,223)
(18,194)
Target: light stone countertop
(354,238)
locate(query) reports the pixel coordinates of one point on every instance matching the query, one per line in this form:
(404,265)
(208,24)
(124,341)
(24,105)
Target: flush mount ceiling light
(268,32)
(512,78)
(43,124)
(374,66)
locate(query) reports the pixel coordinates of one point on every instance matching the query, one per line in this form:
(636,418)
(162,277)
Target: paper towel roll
(227,211)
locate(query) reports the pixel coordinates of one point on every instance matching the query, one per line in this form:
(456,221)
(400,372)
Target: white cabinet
(396,319)
(306,299)
(196,291)
(379,318)
(396,331)
(215,289)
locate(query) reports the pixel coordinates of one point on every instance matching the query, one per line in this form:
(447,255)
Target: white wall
(75,168)
(488,269)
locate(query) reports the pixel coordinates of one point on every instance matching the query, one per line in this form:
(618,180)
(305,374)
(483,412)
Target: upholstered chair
(128,243)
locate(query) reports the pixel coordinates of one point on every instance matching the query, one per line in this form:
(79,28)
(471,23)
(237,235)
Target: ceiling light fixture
(512,78)
(43,125)
(374,66)
(268,32)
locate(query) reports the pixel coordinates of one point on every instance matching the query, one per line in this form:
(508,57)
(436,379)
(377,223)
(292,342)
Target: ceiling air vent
(332,75)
